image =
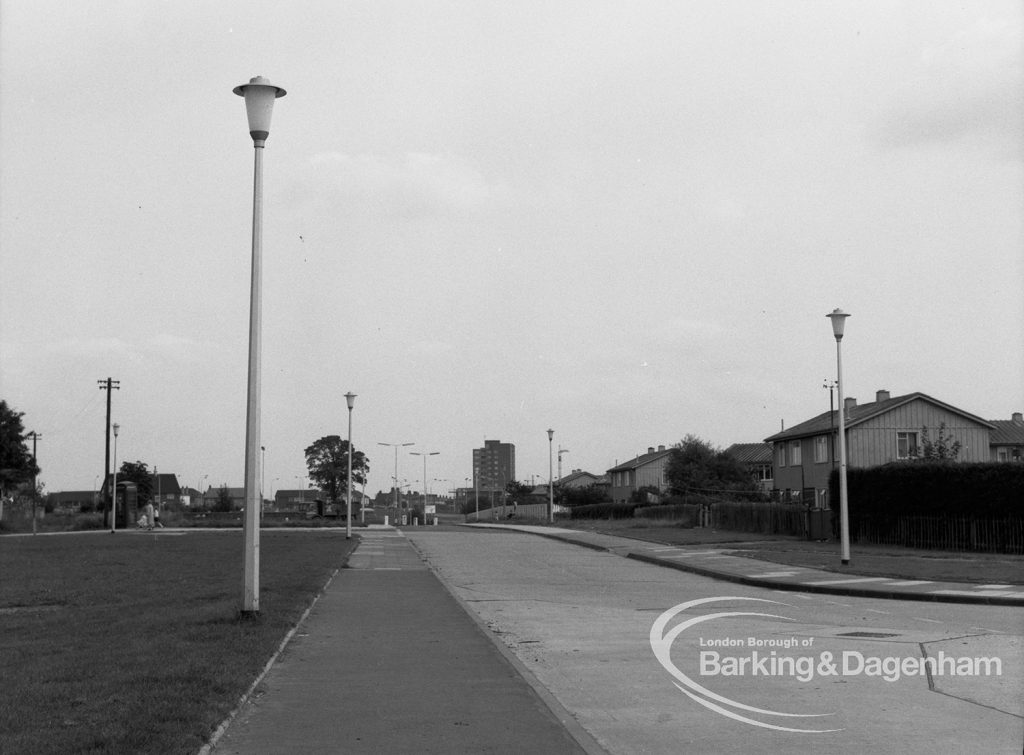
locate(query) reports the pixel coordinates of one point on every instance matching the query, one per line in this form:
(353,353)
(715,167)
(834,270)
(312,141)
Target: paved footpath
(388,661)
(718,563)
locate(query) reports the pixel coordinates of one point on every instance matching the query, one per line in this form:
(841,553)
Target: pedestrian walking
(156,517)
(149,515)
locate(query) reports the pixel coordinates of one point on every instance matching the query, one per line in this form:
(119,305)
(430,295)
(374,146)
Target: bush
(683,513)
(984,490)
(604,511)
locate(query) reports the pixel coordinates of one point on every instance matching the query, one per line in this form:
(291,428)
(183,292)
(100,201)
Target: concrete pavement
(716,562)
(388,661)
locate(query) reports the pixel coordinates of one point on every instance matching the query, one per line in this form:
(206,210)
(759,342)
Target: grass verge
(133,642)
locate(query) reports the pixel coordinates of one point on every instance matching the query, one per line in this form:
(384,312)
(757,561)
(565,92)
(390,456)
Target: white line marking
(875,610)
(847,581)
(986,629)
(930,621)
(910,582)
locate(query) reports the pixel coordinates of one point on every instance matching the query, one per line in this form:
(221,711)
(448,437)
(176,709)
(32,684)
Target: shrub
(604,511)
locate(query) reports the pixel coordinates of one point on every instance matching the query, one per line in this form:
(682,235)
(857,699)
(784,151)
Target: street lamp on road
(259,97)
(396,446)
(113,504)
(838,318)
(350,398)
(425,454)
(551,479)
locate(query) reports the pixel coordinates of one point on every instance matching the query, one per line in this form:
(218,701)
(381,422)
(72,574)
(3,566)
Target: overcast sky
(623,221)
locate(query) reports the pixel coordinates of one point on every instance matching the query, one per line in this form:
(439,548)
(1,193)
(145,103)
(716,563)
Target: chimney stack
(882,395)
(1018,417)
(650,449)
(848,403)
(661,448)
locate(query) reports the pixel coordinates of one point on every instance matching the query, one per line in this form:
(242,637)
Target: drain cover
(867,634)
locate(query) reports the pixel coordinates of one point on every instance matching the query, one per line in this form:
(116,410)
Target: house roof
(641,460)
(577,475)
(1007,432)
(859,413)
(71,496)
(168,483)
(751,453)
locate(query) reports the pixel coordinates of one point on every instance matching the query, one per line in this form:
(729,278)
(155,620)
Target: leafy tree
(137,472)
(696,466)
(943,448)
(327,462)
(16,463)
(591,494)
(223,502)
(518,492)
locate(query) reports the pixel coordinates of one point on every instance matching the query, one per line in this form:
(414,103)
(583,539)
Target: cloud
(969,88)
(412,184)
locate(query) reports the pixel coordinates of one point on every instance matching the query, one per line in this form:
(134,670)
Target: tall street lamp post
(350,399)
(838,318)
(113,500)
(551,479)
(396,446)
(259,96)
(425,454)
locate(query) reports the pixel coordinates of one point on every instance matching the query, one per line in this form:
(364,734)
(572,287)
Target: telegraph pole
(35,485)
(109,385)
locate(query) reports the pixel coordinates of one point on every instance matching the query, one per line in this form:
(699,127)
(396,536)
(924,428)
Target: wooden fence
(766,518)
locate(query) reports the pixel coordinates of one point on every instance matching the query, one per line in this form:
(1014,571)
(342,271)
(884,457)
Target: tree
(569,496)
(223,502)
(16,463)
(518,492)
(327,462)
(696,466)
(137,472)
(943,448)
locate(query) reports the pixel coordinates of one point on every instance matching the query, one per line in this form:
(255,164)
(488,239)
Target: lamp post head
(838,318)
(117,427)
(351,399)
(551,434)
(259,96)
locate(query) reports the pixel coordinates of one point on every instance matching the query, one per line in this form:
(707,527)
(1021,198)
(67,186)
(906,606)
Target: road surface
(653,660)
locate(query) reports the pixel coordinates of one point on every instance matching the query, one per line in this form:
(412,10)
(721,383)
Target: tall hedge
(986,490)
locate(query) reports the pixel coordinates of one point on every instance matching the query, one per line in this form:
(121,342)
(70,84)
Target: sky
(625,222)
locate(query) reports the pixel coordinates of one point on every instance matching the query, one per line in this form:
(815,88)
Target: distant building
(757,458)
(73,501)
(577,478)
(494,466)
(1006,441)
(886,430)
(646,470)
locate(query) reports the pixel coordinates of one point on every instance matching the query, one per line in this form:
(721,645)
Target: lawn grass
(133,642)
(865,559)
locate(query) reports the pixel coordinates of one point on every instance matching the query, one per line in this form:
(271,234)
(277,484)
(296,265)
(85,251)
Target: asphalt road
(817,673)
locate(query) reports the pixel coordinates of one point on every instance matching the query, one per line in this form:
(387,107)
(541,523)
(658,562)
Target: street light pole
(350,399)
(113,504)
(425,454)
(396,446)
(551,479)
(259,96)
(838,318)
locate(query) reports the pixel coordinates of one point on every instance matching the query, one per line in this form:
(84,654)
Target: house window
(906,445)
(781,452)
(794,454)
(821,449)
